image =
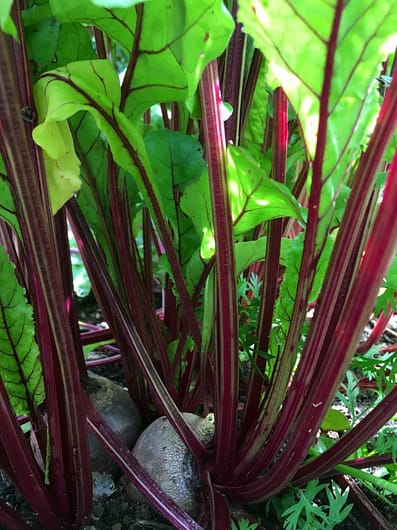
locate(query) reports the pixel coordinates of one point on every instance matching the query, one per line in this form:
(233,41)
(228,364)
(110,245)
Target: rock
(102,484)
(165,457)
(120,412)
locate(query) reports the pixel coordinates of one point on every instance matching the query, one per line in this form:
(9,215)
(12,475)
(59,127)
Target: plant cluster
(238,157)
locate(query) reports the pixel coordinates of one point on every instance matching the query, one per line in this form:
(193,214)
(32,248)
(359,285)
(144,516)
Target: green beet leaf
(6,23)
(177,161)
(335,420)
(365,37)
(94,196)
(254,198)
(93,86)
(249,252)
(196,203)
(60,160)
(362,44)
(7,207)
(20,367)
(117,23)
(51,44)
(171,42)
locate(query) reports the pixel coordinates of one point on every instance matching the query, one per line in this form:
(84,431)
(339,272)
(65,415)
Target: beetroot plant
(238,159)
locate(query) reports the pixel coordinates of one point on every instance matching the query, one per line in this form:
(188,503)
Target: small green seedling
(244,524)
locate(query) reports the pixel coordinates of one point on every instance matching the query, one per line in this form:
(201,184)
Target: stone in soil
(119,411)
(162,453)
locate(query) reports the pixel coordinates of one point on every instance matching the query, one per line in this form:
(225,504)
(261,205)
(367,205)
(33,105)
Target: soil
(113,509)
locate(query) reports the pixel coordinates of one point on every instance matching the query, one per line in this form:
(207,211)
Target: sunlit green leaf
(367,34)
(6,23)
(177,39)
(335,420)
(20,367)
(208,311)
(93,86)
(193,271)
(248,252)
(254,198)
(61,162)
(196,203)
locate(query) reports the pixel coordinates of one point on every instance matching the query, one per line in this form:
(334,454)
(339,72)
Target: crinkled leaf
(177,39)
(61,162)
(20,367)
(7,207)
(177,160)
(6,23)
(93,86)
